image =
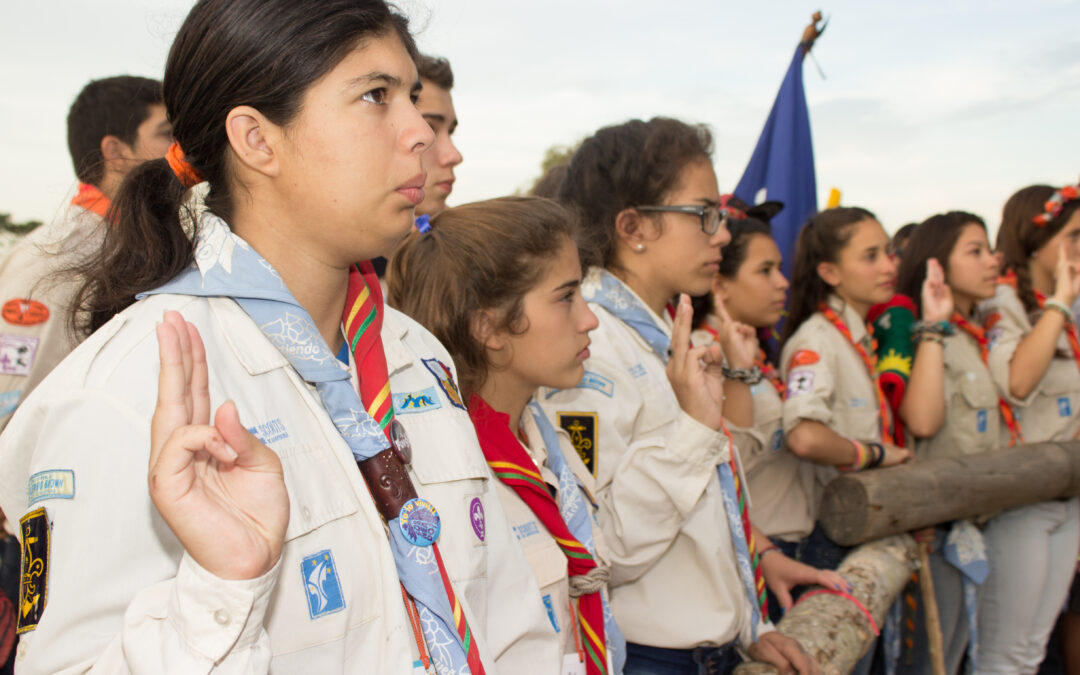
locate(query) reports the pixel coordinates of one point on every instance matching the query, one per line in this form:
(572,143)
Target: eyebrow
(567,285)
(380,77)
(707,201)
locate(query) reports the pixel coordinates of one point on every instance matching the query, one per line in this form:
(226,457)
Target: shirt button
(305,512)
(221,616)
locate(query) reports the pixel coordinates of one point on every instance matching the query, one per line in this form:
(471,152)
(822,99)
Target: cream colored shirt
(828,383)
(30,272)
(1051,412)
(973,421)
(674,580)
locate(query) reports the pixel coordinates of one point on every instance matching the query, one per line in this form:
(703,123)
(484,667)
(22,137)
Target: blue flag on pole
(783,162)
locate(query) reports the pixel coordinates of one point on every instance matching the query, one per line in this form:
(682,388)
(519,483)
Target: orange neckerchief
(1009,278)
(770,373)
(979,334)
(870,363)
(91,199)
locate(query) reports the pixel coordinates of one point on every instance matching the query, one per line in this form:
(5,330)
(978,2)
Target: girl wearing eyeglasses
(648,416)
(1034,359)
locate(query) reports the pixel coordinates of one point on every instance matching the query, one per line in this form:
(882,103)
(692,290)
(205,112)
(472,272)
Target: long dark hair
(481,256)
(631,164)
(1019,237)
(821,240)
(228,53)
(935,237)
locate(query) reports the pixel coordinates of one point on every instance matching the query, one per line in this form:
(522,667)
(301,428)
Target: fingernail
(230,452)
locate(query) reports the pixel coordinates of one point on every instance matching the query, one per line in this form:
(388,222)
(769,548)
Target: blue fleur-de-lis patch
(1064,407)
(322,584)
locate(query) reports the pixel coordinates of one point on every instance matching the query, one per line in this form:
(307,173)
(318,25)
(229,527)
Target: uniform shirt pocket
(318,492)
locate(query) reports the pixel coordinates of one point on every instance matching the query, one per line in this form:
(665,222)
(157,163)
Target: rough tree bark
(833,629)
(860,507)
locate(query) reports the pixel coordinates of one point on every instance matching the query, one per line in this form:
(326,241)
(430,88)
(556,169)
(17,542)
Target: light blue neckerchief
(226,266)
(578,518)
(620,301)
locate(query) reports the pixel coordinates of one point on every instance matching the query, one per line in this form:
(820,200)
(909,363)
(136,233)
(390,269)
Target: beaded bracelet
(1059,306)
(937,328)
(751,375)
(930,337)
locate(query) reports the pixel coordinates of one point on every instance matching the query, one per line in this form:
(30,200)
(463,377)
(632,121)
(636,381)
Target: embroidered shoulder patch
(800,382)
(598,382)
(803,357)
(9,401)
(445,379)
(323,586)
(637,370)
(34,580)
(582,429)
(17,354)
(24,312)
(57,484)
(417,401)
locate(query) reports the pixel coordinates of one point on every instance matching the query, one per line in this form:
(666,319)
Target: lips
(446,186)
(414,189)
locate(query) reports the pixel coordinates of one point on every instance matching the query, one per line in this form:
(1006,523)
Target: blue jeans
(646,660)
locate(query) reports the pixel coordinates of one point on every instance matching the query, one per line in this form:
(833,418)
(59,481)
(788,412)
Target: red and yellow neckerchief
(1007,414)
(91,199)
(870,363)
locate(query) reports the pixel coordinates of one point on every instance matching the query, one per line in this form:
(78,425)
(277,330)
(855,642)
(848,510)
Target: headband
(1056,203)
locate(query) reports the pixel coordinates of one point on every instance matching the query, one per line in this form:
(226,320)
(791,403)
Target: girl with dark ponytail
(324,533)
(1035,362)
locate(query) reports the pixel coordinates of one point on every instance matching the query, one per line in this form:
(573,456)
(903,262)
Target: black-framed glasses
(711,216)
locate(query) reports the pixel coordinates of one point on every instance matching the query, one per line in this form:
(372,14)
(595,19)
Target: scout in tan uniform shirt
(1035,361)
(834,413)
(951,407)
(648,422)
(516,328)
(113,124)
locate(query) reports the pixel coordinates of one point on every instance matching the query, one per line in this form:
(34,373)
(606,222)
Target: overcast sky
(926,106)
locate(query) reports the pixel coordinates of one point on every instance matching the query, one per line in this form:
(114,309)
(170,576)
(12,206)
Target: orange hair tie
(185,173)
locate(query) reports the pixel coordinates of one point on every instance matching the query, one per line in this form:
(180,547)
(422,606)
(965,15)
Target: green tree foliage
(9,225)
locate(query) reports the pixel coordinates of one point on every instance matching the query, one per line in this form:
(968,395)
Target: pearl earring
(641,247)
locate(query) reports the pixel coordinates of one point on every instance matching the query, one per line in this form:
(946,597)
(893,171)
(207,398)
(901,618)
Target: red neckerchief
(870,363)
(515,468)
(91,199)
(984,350)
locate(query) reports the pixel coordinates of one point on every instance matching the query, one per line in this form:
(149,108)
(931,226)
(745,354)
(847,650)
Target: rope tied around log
(593,581)
(849,596)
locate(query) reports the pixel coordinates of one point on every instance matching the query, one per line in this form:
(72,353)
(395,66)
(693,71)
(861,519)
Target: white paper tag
(572,665)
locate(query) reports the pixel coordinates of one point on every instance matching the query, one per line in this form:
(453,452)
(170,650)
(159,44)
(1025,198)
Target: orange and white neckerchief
(770,373)
(1007,414)
(870,363)
(91,199)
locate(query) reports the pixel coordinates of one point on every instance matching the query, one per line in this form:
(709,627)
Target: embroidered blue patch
(1064,407)
(269,432)
(9,400)
(637,370)
(526,530)
(417,401)
(550,607)
(598,382)
(57,484)
(980,421)
(859,402)
(445,377)
(323,586)
(776,441)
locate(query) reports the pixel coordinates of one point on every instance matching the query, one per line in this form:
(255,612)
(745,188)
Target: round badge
(419,522)
(24,312)
(399,441)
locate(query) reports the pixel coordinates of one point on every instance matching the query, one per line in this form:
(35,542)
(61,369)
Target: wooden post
(832,628)
(930,611)
(860,507)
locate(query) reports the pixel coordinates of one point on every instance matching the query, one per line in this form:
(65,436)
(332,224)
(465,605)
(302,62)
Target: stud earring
(640,247)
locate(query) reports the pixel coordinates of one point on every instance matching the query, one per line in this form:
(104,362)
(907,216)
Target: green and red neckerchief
(871,366)
(516,469)
(91,199)
(1007,414)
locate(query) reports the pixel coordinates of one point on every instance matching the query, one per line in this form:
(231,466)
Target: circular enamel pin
(419,522)
(399,441)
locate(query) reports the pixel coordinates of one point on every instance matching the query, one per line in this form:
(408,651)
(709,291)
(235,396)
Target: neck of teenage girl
(507,394)
(639,279)
(1042,279)
(861,307)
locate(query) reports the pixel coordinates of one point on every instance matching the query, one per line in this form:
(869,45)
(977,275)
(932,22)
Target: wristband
(862,457)
(878,452)
(751,375)
(930,337)
(771,549)
(943,328)
(1059,306)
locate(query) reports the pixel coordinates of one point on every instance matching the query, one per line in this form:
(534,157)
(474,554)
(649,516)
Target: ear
(630,226)
(829,273)
(112,149)
(254,140)
(720,287)
(482,328)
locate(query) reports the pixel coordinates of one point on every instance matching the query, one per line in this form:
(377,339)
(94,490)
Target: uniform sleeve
(648,481)
(809,382)
(1007,324)
(120,594)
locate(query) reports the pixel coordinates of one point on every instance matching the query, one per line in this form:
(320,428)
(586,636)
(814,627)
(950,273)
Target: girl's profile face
(551,351)
(756,294)
(972,269)
(350,163)
(1068,237)
(865,271)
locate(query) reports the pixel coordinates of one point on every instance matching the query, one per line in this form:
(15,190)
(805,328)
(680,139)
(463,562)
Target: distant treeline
(8,225)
